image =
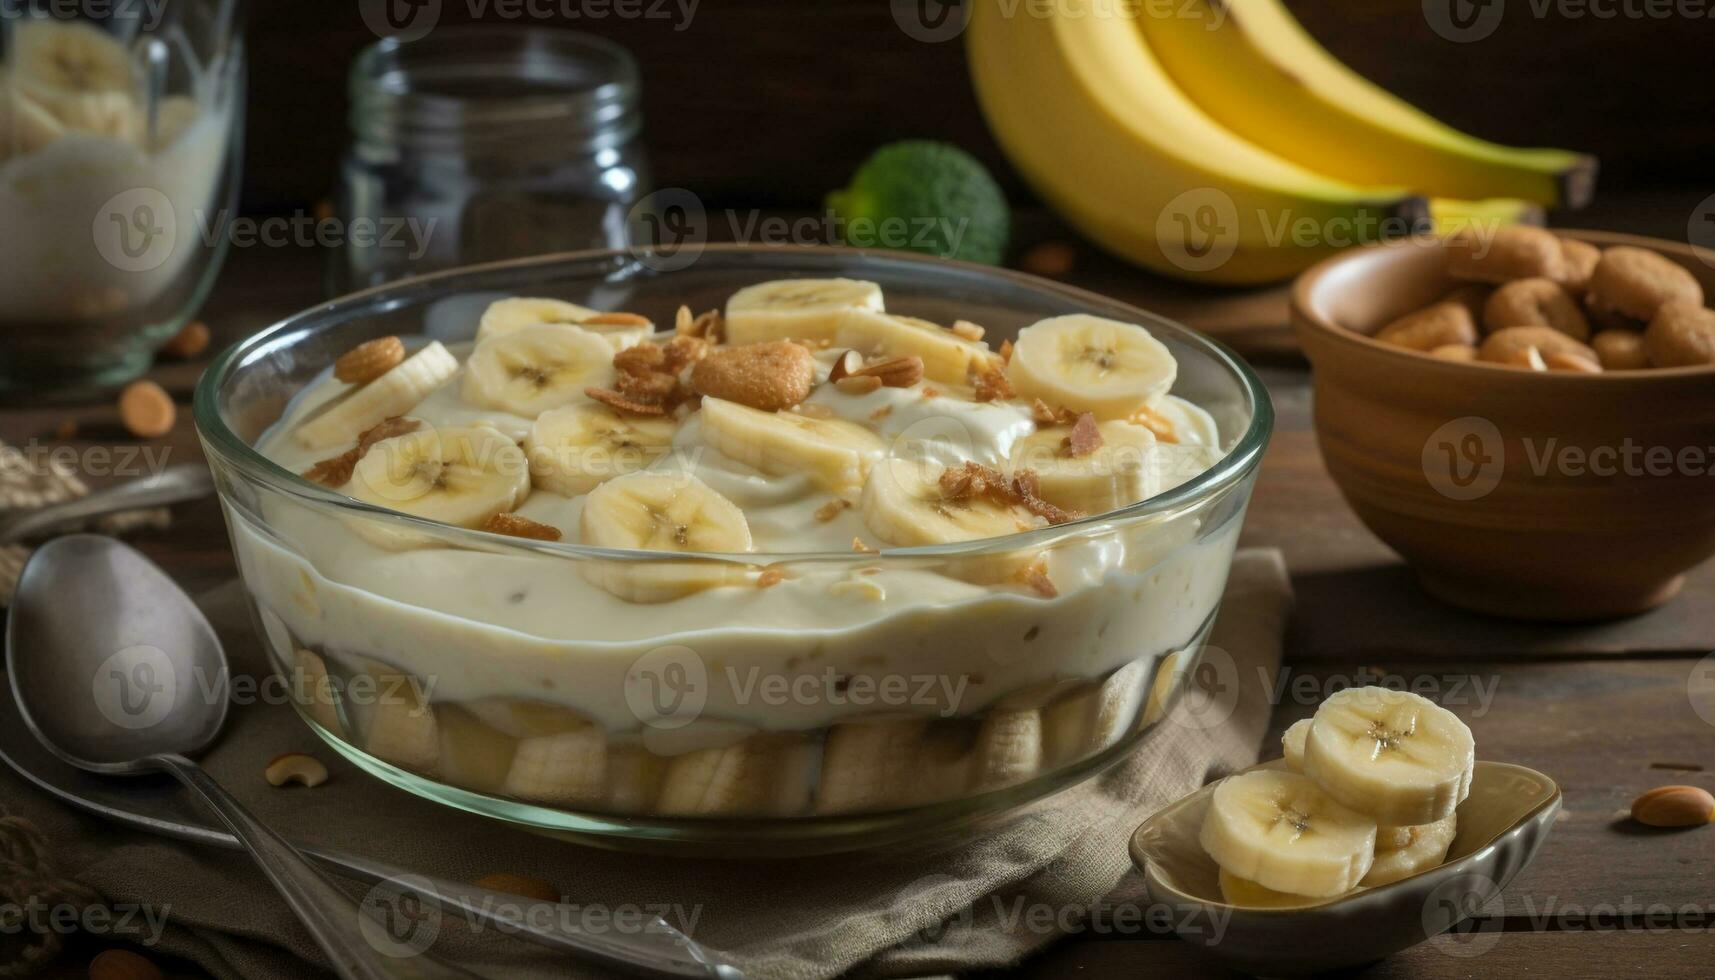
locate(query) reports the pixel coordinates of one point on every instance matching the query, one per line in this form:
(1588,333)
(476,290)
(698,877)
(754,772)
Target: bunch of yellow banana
(1218,141)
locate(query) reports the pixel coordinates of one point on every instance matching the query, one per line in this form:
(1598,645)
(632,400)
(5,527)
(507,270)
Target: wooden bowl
(1553,496)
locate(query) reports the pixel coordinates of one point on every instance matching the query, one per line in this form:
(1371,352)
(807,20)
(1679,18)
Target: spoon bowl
(110,662)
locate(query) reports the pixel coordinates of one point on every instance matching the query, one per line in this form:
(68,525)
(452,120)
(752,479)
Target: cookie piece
(1620,350)
(1637,282)
(1533,346)
(1439,325)
(1578,260)
(769,376)
(1681,335)
(1505,254)
(1535,303)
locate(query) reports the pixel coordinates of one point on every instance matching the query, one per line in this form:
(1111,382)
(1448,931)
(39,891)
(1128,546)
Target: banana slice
(1119,472)
(1292,744)
(389,396)
(1091,364)
(764,775)
(836,454)
(1249,894)
(401,727)
(176,114)
(315,691)
(796,309)
(511,315)
(575,448)
(473,755)
(662,511)
(1085,723)
(459,476)
(1394,755)
(634,776)
(532,369)
(1411,850)
(904,504)
(79,74)
(1009,748)
(1283,832)
(947,357)
(565,769)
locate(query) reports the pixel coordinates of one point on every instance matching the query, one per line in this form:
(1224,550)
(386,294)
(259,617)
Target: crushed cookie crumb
(1006,351)
(1157,423)
(1086,437)
(336,472)
(617,320)
(620,403)
(521,527)
(859,546)
(991,383)
(640,359)
(771,576)
(1036,576)
(683,351)
(1046,416)
(831,510)
(931,392)
(881,413)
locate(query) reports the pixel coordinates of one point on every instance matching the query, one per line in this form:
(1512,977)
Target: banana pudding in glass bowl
(806,571)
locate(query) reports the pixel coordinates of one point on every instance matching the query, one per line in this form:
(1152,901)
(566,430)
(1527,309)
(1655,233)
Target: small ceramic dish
(1501,826)
(1554,496)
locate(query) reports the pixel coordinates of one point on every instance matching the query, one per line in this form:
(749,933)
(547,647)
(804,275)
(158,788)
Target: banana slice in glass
(574,449)
(661,511)
(389,396)
(460,476)
(947,357)
(1091,364)
(533,369)
(796,309)
(1119,472)
(836,454)
(78,74)
(1397,756)
(1283,832)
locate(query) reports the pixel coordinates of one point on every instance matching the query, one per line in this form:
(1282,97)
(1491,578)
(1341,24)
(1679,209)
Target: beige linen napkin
(895,912)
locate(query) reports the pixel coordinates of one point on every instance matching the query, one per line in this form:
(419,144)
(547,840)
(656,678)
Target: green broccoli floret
(926,197)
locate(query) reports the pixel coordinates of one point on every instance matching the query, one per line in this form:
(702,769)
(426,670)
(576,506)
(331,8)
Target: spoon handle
(175,484)
(359,946)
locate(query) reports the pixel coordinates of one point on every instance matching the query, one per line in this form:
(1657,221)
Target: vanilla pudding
(905,600)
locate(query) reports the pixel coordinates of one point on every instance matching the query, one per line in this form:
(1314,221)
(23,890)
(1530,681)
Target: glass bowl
(860,698)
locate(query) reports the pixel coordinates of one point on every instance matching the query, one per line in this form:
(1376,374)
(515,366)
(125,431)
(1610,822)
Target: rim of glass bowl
(1244,457)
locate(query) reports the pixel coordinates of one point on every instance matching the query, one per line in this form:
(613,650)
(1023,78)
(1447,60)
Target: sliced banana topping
(1091,364)
(947,357)
(1280,830)
(1119,471)
(796,309)
(1409,850)
(662,511)
(389,396)
(1249,894)
(575,448)
(835,453)
(1292,744)
(532,369)
(77,74)
(907,503)
(461,476)
(1394,755)
(511,315)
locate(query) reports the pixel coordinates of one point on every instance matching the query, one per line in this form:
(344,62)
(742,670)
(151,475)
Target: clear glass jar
(120,139)
(475,144)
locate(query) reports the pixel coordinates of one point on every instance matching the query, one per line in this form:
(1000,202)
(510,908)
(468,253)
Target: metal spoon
(175,484)
(117,672)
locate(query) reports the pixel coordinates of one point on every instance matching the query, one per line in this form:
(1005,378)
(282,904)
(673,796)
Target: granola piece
(521,527)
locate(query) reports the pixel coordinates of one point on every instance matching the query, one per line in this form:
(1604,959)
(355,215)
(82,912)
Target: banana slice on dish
(1091,364)
(1086,722)
(459,475)
(510,315)
(1119,472)
(905,504)
(575,448)
(1009,748)
(533,369)
(947,357)
(1394,755)
(661,511)
(389,396)
(1248,894)
(564,769)
(1283,832)
(1404,851)
(835,453)
(1292,744)
(473,755)
(764,775)
(796,309)
(869,765)
(400,727)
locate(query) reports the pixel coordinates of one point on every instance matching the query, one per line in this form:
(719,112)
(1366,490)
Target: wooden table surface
(1608,711)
